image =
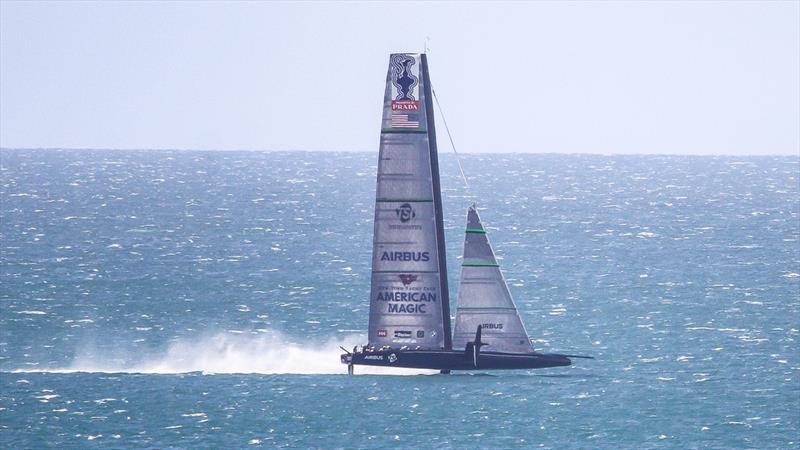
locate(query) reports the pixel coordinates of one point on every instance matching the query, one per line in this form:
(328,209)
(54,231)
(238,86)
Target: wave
(227,353)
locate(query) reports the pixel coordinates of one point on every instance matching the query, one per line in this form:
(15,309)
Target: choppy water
(185,299)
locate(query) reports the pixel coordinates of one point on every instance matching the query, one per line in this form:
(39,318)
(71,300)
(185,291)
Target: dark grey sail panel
(484,298)
(404,171)
(408,299)
(405,237)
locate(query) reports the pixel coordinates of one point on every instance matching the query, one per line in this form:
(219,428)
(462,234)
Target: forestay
(484,299)
(409,303)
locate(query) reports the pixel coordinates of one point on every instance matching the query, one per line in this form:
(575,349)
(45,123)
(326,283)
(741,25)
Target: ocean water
(180,299)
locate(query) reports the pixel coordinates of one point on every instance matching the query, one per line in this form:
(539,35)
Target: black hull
(446,360)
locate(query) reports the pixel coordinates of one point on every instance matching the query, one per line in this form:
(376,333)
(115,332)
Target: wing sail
(409,303)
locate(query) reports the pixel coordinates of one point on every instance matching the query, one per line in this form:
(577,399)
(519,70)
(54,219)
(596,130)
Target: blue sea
(186,299)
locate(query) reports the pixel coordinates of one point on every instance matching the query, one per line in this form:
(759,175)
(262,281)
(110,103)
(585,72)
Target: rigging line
(452,144)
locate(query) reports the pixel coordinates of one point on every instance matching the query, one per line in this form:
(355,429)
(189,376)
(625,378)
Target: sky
(540,77)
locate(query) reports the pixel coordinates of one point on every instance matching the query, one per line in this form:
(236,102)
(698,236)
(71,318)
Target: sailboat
(409,315)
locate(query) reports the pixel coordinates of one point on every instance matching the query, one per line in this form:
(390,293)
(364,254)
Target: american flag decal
(405,120)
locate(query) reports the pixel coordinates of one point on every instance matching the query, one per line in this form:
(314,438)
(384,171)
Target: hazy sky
(632,77)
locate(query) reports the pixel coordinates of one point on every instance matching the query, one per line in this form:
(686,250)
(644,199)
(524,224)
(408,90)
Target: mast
(437,200)
(409,301)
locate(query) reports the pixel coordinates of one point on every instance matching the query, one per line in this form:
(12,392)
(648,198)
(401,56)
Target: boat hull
(455,360)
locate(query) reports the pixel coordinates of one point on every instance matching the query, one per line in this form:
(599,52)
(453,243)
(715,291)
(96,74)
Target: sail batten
(484,298)
(409,303)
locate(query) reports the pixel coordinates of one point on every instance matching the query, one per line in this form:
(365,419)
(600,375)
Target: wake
(226,353)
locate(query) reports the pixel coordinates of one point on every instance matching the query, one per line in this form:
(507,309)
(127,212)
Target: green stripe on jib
(476,230)
(480,264)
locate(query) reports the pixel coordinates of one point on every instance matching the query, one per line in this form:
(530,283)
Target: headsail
(409,303)
(484,299)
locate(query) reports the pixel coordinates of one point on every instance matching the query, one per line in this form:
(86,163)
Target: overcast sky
(578,77)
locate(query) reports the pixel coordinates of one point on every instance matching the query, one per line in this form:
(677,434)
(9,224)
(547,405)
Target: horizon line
(164,149)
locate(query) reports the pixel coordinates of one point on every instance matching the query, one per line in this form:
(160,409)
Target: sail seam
(405,131)
(405,271)
(487,307)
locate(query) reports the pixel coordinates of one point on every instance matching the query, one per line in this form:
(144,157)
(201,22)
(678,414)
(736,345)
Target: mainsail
(409,303)
(484,299)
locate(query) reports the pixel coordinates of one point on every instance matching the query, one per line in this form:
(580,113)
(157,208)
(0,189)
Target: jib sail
(409,304)
(484,299)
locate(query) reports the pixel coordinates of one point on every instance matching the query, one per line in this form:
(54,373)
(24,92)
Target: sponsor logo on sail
(402,334)
(407,278)
(381,333)
(375,357)
(420,334)
(406,256)
(492,326)
(405,212)
(407,296)
(410,308)
(405,105)
(405,79)
(407,302)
